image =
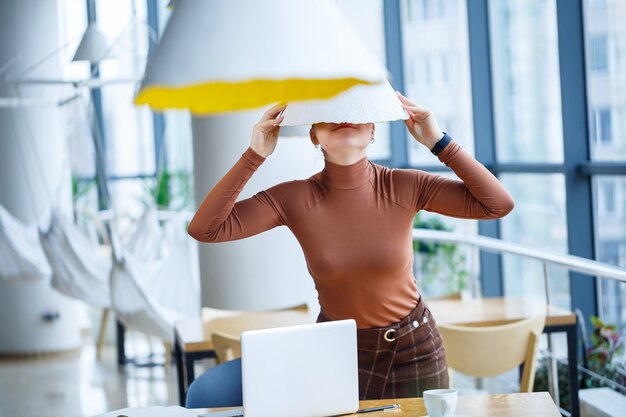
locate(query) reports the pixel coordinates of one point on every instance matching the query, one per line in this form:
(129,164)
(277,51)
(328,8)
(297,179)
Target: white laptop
(300,371)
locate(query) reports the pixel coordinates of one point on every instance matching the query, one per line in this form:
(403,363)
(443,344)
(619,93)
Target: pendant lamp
(93,46)
(225,55)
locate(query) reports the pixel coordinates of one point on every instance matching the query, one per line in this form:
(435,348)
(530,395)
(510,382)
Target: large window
(525,65)
(436,69)
(524,106)
(142,151)
(128,134)
(527,115)
(610,221)
(538,221)
(605,43)
(605,35)
(177,140)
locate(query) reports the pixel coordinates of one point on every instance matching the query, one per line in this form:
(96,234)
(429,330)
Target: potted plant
(171,190)
(438,267)
(601,358)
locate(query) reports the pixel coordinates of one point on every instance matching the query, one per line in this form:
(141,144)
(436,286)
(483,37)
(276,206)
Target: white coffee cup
(440,402)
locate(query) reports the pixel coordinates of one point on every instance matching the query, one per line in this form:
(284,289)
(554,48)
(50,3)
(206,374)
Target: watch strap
(441,144)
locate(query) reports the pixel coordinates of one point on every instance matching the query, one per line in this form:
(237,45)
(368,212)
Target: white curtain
(153,283)
(21,255)
(156,280)
(81,267)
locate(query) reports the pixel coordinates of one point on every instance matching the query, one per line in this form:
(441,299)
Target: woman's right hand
(265,132)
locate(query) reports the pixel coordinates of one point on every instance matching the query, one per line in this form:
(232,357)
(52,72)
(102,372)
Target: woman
(354,220)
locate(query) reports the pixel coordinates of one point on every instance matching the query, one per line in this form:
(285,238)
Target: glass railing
(569,262)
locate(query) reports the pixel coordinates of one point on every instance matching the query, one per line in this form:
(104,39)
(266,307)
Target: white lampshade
(225,55)
(369,103)
(93,47)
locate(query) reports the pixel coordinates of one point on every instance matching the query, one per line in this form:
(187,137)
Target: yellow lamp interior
(220,96)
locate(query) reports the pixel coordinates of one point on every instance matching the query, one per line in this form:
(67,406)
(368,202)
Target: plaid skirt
(403,359)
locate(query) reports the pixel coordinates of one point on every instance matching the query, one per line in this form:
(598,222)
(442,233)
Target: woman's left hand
(421,123)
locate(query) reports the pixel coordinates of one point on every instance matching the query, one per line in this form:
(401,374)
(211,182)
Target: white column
(264,271)
(34,168)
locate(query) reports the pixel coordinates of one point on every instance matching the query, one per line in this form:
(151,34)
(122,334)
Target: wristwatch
(442,143)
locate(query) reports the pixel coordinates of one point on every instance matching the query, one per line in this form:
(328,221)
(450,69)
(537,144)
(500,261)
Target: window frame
(577,167)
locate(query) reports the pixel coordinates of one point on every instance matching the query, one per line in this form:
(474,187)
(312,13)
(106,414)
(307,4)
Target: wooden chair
(227,347)
(209,313)
(451,296)
(304,307)
(493,350)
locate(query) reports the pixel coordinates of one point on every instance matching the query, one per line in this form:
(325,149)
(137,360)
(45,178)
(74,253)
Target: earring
(372,139)
(317,145)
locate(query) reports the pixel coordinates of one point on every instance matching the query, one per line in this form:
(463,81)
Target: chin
(345,145)
(347,138)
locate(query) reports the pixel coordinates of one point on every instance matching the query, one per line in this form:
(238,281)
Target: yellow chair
(227,347)
(493,350)
(451,296)
(304,308)
(209,313)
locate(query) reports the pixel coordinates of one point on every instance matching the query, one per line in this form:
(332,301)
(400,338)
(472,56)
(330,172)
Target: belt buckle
(387,336)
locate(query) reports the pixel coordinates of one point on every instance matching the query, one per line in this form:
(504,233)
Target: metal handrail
(571,262)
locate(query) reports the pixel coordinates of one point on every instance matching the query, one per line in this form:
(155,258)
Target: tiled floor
(78,385)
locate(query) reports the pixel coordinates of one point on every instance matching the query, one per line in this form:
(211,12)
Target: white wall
(267,270)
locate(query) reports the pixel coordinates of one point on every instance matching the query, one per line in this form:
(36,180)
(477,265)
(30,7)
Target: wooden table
(502,310)
(497,310)
(536,404)
(192,338)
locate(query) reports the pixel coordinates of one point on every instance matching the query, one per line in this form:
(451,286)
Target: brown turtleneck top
(354,224)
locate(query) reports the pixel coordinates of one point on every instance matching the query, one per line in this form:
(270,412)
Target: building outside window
(605,35)
(437,77)
(527,113)
(599,53)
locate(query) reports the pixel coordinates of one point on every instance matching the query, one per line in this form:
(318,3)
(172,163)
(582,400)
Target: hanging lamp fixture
(93,46)
(226,55)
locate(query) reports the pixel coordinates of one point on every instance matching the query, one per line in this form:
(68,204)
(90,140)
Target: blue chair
(220,386)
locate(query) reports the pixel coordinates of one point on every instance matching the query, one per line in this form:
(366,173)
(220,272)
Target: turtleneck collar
(347,176)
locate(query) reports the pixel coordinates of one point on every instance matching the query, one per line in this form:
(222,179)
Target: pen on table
(382,407)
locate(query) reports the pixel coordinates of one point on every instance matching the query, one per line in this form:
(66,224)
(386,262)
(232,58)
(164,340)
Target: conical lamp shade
(93,47)
(368,103)
(225,55)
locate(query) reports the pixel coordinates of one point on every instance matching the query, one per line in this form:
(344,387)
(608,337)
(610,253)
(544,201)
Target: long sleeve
(478,196)
(220,219)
